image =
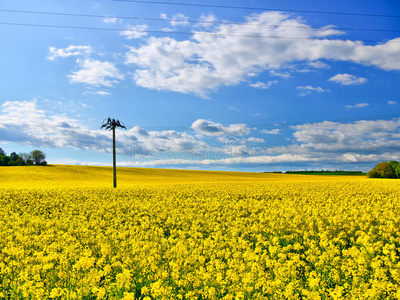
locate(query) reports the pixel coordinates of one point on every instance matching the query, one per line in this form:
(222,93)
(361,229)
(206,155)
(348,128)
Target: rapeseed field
(167,234)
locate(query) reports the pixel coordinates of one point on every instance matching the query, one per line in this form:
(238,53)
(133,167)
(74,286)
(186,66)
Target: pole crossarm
(110,124)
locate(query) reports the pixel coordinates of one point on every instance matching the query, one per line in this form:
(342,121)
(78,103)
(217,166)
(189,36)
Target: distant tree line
(385,169)
(35,157)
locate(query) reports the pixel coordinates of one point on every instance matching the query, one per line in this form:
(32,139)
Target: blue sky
(230,92)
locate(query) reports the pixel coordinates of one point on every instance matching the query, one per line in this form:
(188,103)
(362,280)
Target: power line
(189,21)
(187,33)
(260,8)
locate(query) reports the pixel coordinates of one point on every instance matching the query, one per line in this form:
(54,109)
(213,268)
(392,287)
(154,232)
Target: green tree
(2,152)
(37,156)
(4,159)
(20,161)
(11,162)
(14,156)
(24,156)
(372,174)
(397,171)
(384,170)
(393,164)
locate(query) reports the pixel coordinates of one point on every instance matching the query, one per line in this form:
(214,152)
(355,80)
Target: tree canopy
(35,157)
(385,169)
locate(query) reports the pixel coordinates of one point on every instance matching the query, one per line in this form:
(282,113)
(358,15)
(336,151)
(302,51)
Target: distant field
(84,176)
(171,234)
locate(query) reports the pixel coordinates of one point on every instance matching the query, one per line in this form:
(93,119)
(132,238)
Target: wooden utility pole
(114,161)
(111,124)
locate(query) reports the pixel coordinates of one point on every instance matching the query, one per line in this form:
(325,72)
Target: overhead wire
(258,126)
(212,34)
(191,21)
(259,8)
(191,33)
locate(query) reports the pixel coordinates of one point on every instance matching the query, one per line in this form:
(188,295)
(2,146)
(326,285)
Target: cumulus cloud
(176,20)
(204,62)
(255,140)
(24,122)
(306,90)
(282,74)
(69,51)
(110,20)
(135,32)
(102,93)
(347,79)
(210,128)
(317,143)
(179,19)
(363,137)
(272,131)
(358,105)
(318,64)
(95,72)
(335,143)
(392,102)
(263,85)
(206,21)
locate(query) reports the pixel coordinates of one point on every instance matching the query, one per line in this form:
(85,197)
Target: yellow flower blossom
(276,237)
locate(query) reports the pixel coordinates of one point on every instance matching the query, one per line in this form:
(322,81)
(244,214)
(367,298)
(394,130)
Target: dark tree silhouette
(111,124)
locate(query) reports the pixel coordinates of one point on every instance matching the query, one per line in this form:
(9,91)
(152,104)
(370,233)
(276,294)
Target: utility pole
(111,124)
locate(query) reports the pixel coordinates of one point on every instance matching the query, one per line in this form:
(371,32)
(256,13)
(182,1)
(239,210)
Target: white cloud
(179,20)
(206,21)
(318,65)
(358,105)
(202,63)
(110,20)
(327,31)
(262,85)
(338,143)
(215,129)
(102,93)
(25,123)
(320,143)
(272,131)
(238,160)
(95,72)
(233,108)
(167,29)
(255,140)
(347,79)
(135,32)
(176,20)
(283,75)
(363,137)
(306,90)
(69,51)
(392,102)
